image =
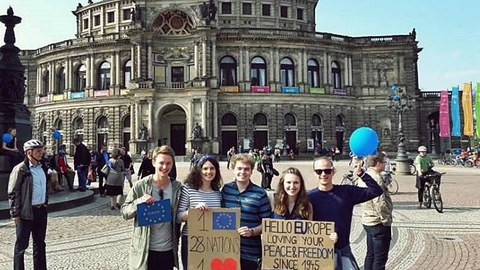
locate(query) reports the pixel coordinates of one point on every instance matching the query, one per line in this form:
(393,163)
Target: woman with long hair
(292,200)
(201,190)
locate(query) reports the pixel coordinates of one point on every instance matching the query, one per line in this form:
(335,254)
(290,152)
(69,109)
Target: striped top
(255,206)
(190,197)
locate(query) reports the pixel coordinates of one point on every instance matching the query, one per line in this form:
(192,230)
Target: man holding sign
(335,203)
(153,202)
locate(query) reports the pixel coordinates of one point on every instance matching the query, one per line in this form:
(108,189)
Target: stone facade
(250,74)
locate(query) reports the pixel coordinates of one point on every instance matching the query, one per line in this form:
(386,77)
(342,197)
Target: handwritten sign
(157,212)
(297,244)
(213,240)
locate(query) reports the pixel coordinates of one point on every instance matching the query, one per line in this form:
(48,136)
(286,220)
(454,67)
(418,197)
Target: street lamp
(399,102)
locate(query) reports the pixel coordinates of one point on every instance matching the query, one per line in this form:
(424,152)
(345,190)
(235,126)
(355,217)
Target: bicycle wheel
(346,181)
(437,199)
(427,200)
(413,169)
(393,186)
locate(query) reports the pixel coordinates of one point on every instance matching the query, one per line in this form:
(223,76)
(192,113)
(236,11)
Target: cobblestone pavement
(94,237)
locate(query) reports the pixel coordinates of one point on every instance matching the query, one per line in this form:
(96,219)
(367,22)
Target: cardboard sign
(157,212)
(213,240)
(297,244)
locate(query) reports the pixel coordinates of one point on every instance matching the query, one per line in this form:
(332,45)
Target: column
(52,76)
(69,75)
(138,114)
(190,117)
(150,114)
(139,61)
(204,57)
(195,60)
(271,68)
(214,58)
(92,71)
(113,70)
(118,71)
(39,79)
(350,73)
(149,61)
(132,121)
(215,119)
(305,67)
(246,65)
(87,75)
(204,117)
(299,71)
(134,61)
(329,62)
(325,68)
(240,70)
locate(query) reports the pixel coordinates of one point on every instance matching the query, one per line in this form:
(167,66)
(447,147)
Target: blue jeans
(378,245)
(82,177)
(37,227)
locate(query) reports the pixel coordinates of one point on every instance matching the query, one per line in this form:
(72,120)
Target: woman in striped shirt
(201,191)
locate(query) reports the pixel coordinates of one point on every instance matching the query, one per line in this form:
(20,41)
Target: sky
(446,30)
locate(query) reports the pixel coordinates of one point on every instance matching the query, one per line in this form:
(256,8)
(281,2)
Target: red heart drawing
(228,264)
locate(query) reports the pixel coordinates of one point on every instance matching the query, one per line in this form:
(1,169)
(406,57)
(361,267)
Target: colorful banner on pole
(444,116)
(477,109)
(455,111)
(467,109)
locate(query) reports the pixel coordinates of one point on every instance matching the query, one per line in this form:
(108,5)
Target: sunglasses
(160,193)
(326,171)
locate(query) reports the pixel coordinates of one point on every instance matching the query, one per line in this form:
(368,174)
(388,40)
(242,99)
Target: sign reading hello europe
(297,244)
(213,240)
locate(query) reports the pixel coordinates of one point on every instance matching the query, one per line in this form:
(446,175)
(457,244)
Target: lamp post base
(403,167)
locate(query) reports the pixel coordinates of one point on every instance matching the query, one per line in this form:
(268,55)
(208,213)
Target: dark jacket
(20,191)
(82,156)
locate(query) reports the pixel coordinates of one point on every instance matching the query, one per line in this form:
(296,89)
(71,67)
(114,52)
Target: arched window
(316,120)
(229,120)
(103,79)
(339,123)
(127,73)
(78,128)
(287,72)
(258,71)
(60,87)
(289,120)
(80,79)
(126,131)
(259,119)
(228,71)
(313,73)
(45,83)
(336,75)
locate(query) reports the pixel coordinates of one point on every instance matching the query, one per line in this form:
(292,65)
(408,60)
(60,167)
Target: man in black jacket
(81,161)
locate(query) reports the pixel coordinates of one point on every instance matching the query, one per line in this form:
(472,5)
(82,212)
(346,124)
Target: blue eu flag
(157,212)
(224,221)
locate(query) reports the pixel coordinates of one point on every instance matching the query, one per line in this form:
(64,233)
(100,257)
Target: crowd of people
(156,246)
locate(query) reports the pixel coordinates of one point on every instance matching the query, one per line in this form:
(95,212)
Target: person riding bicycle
(424,164)
(387,172)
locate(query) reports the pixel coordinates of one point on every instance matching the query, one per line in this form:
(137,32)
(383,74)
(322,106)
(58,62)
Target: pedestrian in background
(155,246)
(81,162)
(377,217)
(115,179)
(102,157)
(146,168)
(28,199)
(424,164)
(64,168)
(201,190)
(128,162)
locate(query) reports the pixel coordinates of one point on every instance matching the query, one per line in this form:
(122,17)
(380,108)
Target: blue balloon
(363,142)
(57,135)
(7,137)
(396,97)
(394,88)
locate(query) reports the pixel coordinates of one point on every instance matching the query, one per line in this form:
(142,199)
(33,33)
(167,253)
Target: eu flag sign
(224,221)
(157,212)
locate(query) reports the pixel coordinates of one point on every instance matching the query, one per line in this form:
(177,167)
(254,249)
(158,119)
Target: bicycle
(390,182)
(349,179)
(432,191)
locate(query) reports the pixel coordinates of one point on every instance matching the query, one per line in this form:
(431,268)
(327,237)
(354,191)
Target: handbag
(105,169)
(275,172)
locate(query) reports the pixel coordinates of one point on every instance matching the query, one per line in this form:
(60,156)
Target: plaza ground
(92,236)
